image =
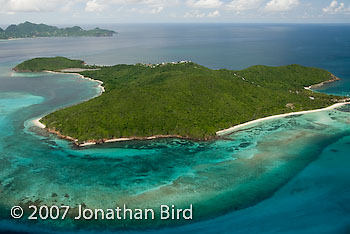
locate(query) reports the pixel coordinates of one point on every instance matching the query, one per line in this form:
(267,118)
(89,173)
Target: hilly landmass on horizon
(30,30)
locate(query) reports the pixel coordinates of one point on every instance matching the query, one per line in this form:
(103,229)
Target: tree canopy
(183,99)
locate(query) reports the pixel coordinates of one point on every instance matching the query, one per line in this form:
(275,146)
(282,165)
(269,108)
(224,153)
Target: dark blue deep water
(291,175)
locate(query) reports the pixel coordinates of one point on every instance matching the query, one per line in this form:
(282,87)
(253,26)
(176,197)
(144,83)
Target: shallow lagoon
(287,161)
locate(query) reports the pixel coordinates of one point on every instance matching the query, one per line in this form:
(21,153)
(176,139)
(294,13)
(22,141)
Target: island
(178,99)
(31,30)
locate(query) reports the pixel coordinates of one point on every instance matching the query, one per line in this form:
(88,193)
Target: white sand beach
(87,144)
(37,123)
(81,76)
(117,139)
(79,69)
(234,128)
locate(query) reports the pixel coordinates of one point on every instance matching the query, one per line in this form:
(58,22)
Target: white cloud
(137,2)
(94,6)
(214,14)
(199,14)
(136,6)
(335,7)
(12,6)
(281,5)
(157,10)
(194,14)
(68,6)
(204,3)
(243,5)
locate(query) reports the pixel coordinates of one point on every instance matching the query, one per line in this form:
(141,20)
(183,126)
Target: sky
(174,11)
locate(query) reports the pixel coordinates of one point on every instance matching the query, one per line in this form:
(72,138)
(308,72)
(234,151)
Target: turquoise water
(283,175)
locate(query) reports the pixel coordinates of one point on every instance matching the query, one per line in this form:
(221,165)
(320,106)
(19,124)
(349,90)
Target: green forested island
(180,99)
(28,29)
(51,64)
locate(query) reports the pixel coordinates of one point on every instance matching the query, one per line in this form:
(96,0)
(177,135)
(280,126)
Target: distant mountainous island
(31,30)
(180,99)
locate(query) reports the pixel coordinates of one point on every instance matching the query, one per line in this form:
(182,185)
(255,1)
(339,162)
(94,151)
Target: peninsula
(179,99)
(31,30)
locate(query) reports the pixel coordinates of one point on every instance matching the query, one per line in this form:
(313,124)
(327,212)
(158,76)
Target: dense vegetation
(186,99)
(28,29)
(49,64)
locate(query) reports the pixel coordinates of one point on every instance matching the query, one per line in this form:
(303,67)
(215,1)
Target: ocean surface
(286,175)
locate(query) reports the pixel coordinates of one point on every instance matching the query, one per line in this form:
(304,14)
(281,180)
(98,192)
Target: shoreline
(122,139)
(81,76)
(36,122)
(236,127)
(218,133)
(319,85)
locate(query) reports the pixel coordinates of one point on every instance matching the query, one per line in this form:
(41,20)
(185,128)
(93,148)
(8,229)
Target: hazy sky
(139,11)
